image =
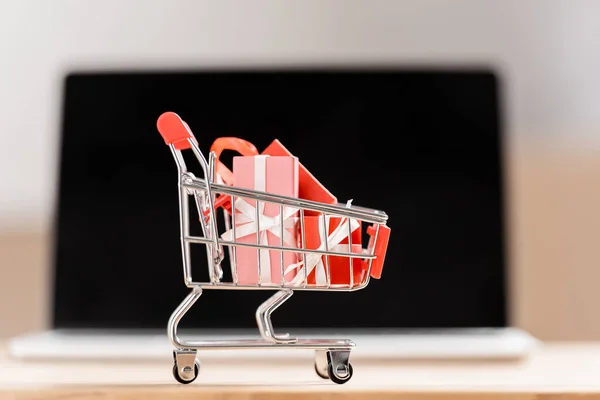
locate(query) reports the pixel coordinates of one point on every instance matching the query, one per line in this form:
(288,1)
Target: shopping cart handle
(383,238)
(175,131)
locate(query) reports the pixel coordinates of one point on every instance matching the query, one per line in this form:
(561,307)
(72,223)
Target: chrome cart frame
(331,356)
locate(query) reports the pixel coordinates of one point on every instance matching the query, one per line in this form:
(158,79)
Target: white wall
(547,50)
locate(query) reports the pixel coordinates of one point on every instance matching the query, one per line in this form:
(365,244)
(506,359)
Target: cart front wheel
(186,377)
(339,369)
(341,374)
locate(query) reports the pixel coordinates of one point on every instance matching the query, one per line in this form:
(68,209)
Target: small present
(275,175)
(309,188)
(336,241)
(339,268)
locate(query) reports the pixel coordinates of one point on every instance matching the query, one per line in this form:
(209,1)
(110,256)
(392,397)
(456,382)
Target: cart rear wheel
(341,375)
(321,373)
(180,379)
(322,364)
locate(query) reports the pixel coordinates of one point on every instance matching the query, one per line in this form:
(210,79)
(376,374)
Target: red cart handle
(175,131)
(383,238)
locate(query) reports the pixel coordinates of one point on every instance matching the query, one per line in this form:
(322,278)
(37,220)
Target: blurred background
(545,51)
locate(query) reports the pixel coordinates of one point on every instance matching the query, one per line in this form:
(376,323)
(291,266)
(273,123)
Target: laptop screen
(422,145)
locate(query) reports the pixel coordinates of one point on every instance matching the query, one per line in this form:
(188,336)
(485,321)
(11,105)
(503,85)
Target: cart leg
(186,367)
(263,317)
(179,312)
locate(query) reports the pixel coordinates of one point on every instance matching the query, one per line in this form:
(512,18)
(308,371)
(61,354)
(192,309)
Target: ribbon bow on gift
(247,217)
(314,260)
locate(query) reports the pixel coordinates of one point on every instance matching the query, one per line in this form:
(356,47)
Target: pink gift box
(276,175)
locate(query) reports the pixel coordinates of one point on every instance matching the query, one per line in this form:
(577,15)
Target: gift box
(339,268)
(275,175)
(309,187)
(336,241)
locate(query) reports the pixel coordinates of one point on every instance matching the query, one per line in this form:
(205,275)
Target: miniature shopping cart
(332,357)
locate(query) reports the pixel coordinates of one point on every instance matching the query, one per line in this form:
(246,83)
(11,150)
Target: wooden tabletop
(554,371)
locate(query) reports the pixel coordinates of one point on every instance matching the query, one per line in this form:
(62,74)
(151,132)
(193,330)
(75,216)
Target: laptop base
(489,343)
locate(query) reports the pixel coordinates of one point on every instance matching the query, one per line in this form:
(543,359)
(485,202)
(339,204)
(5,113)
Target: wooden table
(554,371)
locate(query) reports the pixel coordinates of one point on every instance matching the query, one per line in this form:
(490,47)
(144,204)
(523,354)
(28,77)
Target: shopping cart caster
(340,374)
(321,364)
(185,367)
(334,365)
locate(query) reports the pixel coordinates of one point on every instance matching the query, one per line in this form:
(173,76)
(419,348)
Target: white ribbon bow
(315,260)
(247,217)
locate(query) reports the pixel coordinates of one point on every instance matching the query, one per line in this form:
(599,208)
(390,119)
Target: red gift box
(336,241)
(309,188)
(339,268)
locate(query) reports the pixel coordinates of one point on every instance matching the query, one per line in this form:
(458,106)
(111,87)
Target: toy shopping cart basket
(313,270)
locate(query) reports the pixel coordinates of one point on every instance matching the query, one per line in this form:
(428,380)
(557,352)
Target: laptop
(423,145)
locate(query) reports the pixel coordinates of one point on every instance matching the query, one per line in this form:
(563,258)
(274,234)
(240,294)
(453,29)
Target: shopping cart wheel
(339,368)
(185,367)
(178,374)
(319,371)
(322,364)
(335,377)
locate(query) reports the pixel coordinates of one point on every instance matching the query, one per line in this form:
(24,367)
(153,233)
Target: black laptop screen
(422,145)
